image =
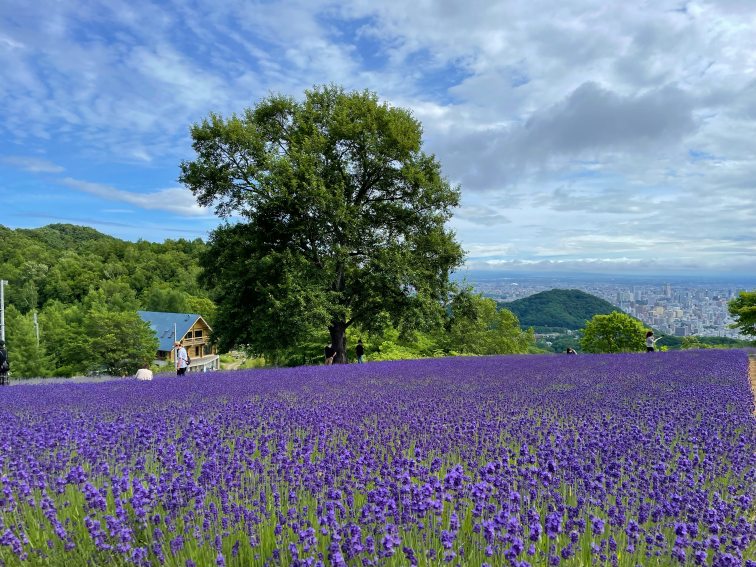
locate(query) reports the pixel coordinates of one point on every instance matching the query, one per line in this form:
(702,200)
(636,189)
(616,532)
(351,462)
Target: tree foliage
(743,309)
(343,218)
(476,326)
(26,357)
(615,332)
(471,326)
(119,341)
(71,276)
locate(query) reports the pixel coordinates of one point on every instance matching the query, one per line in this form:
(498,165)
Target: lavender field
(637,459)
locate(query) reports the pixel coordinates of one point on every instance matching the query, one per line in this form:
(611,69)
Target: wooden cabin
(189,328)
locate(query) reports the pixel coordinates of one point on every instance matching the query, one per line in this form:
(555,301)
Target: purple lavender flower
(597,525)
(553,524)
(611,448)
(410,555)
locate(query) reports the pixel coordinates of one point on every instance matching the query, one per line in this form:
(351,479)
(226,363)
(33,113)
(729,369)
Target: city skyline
(586,136)
(685,308)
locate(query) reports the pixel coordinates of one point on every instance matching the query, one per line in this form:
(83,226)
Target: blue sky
(586,135)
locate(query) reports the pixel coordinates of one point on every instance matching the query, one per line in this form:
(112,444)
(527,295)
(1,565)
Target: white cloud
(615,131)
(10,43)
(477,251)
(617,265)
(32,164)
(175,200)
(486,216)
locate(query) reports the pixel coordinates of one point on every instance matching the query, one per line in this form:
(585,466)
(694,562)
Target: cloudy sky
(594,135)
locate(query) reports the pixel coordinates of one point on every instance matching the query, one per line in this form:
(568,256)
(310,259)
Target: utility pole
(3,283)
(4,374)
(36,328)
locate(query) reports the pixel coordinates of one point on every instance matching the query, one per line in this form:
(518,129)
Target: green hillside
(65,263)
(78,291)
(558,309)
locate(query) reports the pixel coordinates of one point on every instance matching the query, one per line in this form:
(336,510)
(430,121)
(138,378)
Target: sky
(600,136)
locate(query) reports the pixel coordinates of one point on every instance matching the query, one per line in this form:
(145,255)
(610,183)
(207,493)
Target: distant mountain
(558,308)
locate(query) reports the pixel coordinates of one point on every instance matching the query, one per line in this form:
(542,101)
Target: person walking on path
(4,364)
(329,353)
(360,352)
(651,341)
(182,359)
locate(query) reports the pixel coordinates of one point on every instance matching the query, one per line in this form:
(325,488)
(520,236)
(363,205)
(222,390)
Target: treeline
(85,288)
(471,325)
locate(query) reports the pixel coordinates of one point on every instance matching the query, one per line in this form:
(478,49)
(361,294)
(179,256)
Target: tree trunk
(338,340)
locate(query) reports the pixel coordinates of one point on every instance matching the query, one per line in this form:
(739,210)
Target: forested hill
(65,263)
(558,308)
(85,288)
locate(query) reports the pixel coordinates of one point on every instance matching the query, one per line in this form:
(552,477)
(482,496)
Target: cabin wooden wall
(196,341)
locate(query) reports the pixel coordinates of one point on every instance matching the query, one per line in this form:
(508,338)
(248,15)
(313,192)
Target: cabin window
(198,333)
(197,351)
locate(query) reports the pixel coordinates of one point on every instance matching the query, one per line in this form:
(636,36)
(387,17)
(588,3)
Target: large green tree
(119,341)
(63,333)
(743,309)
(615,332)
(26,356)
(341,217)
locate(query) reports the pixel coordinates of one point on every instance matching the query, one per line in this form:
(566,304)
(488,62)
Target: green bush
(615,332)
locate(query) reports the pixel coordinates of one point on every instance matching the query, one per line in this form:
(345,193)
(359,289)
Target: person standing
(651,341)
(4,364)
(182,359)
(329,353)
(360,352)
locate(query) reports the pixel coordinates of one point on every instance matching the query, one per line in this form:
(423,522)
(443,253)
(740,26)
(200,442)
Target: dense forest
(84,289)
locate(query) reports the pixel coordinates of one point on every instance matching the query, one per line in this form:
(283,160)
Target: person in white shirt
(651,341)
(144,373)
(182,359)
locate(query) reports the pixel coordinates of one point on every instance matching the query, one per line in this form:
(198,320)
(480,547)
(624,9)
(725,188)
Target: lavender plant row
(637,459)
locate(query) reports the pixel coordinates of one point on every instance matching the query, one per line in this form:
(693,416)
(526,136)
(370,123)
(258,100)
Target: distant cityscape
(674,306)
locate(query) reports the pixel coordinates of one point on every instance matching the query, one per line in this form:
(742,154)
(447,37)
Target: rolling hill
(558,309)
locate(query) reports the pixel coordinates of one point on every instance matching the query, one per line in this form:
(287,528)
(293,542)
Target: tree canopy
(342,218)
(743,309)
(476,326)
(615,332)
